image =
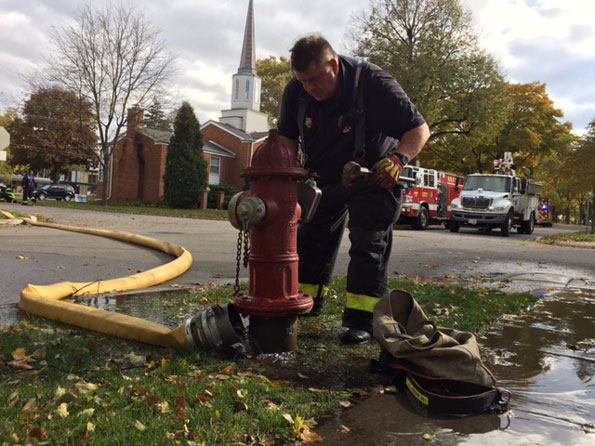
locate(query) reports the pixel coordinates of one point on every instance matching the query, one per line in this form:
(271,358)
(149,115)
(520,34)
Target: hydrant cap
(273,153)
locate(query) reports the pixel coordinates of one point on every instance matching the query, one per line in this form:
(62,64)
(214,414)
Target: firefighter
(331,101)
(28,184)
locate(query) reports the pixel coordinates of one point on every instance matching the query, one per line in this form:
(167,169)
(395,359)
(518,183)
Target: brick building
(139,156)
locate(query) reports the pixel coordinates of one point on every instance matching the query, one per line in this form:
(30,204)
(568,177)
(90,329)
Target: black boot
(355,336)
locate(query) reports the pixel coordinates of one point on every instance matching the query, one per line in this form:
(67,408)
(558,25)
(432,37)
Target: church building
(140,155)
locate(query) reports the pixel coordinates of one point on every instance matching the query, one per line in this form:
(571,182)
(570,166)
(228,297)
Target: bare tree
(114,58)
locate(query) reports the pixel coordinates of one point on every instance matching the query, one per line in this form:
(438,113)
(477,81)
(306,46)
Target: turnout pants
(369,212)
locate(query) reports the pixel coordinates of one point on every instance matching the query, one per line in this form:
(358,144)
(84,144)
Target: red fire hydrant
(270,211)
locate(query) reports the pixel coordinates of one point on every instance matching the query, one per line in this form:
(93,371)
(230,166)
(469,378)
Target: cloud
(549,41)
(546,41)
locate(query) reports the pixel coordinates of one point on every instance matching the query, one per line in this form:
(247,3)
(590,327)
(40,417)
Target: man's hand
(387,171)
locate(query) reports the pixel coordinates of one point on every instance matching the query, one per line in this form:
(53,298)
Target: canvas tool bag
(440,368)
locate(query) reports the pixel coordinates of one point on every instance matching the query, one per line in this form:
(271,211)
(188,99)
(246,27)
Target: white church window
(237,89)
(256,92)
(247,89)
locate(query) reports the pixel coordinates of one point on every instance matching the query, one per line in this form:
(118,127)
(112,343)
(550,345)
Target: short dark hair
(308,49)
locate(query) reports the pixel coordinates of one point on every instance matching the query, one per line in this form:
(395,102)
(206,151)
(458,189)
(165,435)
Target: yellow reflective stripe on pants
(361,302)
(312,289)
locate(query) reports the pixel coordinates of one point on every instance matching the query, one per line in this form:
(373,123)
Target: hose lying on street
(46,300)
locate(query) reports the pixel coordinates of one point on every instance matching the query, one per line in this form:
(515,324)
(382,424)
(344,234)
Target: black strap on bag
(441,395)
(355,115)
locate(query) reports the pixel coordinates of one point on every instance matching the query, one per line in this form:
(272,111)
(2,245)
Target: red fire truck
(546,212)
(428,197)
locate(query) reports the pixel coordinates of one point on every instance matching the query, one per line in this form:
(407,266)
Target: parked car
(57,191)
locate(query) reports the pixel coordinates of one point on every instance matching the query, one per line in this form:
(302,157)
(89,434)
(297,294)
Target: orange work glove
(387,171)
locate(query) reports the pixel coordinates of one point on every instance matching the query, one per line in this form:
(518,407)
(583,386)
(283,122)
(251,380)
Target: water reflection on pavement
(546,358)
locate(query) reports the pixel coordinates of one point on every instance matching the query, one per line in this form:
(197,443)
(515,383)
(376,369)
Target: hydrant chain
(236,287)
(246,248)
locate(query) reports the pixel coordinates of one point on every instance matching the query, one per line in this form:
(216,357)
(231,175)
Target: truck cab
(427,196)
(496,201)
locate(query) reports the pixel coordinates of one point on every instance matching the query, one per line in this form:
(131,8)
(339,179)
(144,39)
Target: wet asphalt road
(51,255)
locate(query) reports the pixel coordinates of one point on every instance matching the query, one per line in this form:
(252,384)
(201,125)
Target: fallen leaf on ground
(288,417)
(344,429)
(40,353)
(62,410)
(135,359)
(22,365)
(429,437)
(298,425)
(19,354)
(359,392)
(310,437)
(30,405)
(37,432)
(83,387)
(163,407)
(140,426)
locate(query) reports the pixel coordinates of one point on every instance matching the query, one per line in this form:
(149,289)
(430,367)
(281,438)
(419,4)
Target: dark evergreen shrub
(214,194)
(185,167)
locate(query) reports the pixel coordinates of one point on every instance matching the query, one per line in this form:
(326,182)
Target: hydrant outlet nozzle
(246,210)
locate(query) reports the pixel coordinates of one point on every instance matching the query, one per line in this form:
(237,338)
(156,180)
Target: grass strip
(581,237)
(63,385)
(142,208)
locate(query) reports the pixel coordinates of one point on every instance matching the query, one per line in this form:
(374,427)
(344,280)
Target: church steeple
(245,87)
(248,59)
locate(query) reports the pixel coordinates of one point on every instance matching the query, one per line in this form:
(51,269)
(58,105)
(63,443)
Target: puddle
(546,359)
(167,307)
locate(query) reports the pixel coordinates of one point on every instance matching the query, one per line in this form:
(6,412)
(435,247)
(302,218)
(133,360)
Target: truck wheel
(453,226)
(41,197)
(422,220)
(506,226)
(529,226)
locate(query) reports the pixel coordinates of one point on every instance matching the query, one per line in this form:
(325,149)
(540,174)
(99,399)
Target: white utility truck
(499,200)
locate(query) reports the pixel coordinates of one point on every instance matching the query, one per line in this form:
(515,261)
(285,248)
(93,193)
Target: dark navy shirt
(329,139)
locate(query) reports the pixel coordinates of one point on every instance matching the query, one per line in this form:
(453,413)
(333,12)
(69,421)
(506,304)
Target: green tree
(430,48)
(274,74)
(185,167)
(532,129)
(56,132)
(155,117)
(584,162)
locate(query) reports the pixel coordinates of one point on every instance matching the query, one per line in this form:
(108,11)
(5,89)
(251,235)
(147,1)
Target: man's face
(321,81)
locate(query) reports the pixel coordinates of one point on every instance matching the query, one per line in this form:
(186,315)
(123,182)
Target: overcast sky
(550,41)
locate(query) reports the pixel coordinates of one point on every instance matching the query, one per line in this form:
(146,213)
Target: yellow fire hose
(46,301)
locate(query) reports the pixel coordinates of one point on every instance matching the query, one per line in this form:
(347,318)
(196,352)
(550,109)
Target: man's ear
(335,65)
